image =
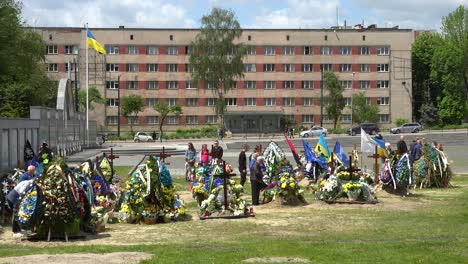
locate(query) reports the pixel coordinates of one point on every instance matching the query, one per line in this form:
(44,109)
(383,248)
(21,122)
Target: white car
(142,136)
(314,131)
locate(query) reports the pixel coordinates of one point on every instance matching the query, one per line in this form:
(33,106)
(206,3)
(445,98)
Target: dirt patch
(78,258)
(276,260)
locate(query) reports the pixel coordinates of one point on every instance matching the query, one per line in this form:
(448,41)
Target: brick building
(282,74)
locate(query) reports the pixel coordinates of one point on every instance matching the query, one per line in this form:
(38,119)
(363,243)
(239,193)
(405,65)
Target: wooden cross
(375,156)
(163,155)
(224,175)
(351,168)
(111,159)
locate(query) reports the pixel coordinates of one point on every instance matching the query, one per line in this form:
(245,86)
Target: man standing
(401,146)
(45,155)
(416,151)
(29,174)
(256,180)
(243,164)
(216,151)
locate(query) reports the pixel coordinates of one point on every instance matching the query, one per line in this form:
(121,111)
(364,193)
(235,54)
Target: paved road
(455,142)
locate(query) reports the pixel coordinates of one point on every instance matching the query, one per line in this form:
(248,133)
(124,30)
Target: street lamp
(352,93)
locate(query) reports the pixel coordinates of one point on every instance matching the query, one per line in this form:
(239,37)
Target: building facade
(282,74)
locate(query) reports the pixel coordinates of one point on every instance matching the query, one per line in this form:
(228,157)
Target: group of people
(257,169)
(206,157)
(415,150)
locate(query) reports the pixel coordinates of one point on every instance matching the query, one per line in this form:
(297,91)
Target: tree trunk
(160,128)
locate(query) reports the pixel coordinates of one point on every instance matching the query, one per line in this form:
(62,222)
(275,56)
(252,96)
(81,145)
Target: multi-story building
(282,74)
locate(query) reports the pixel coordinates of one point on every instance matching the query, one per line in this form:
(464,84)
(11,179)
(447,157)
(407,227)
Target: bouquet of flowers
(215,201)
(346,176)
(329,189)
(352,190)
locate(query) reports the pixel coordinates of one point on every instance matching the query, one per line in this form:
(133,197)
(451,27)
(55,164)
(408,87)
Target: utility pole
(76,86)
(321,95)
(352,93)
(118,106)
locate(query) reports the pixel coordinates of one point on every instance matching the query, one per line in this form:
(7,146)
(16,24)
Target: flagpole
(87,88)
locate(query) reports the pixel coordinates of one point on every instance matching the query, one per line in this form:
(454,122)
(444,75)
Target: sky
(409,14)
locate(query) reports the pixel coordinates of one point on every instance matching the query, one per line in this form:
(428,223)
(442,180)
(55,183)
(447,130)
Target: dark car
(370,128)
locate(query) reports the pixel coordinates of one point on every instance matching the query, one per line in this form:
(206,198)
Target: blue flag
(309,155)
(340,154)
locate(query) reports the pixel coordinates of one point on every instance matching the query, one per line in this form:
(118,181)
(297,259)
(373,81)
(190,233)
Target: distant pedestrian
(256,180)
(243,164)
(154,135)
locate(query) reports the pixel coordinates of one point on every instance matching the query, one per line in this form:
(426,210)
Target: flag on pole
(367,143)
(293,150)
(322,147)
(380,147)
(340,154)
(93,43)
(308,151)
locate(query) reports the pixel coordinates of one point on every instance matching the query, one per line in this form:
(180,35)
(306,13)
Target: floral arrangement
(329,189)
(346,176)
(30,208)
(274,155)
(333,188)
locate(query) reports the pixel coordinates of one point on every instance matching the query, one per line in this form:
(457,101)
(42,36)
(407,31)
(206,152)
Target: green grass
(430,226)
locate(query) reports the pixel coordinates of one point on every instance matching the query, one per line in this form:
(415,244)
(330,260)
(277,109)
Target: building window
(152,120)
(307,84)
(251,50)
(172,120)
(132,85)
(191,101)
(347,101)
(131,67)
(345,51)
(383,51)
(307,119)
(171,37)
(346,84)
(152,50)
(171,101)
(191,120)
(188,50)
(288,101)
(368,101)
(364,84)
(325,50)
(171,67)
(209,86)
(250,67)
(382,67)
(112,67)
(231,101)
(112,120)
(307,50)
(268,67)
(72,67)
(71,49)
(112,102)
(250,84)
(211,101)
(326,67)
(383,84)
(52,49)
(250,101)
(384,118)
(270,85)
(172,51)
(151,67)
(172,84)
(270,101)
(152,85)
(364,50)
(327,120)
(112,49)
(364,67)
(288,67)
(345,67)
(132,50)
(112,84)
(52,67)
(132,120)
(151,102)
(345,119)
(211,119)
(306,67)
(189,84)
(383,100)
(288,50)
(269,50)
(307,101)
(288,84)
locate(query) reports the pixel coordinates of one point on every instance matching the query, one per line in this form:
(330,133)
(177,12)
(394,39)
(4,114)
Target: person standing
(216,151)
(402,148)
(256,179)
(190,157)
(154,136)
(243,164)
(416,152)
(45,155)
(204,155)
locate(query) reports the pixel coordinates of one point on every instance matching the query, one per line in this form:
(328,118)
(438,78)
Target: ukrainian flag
(93,43)
(380,147)
(322,147)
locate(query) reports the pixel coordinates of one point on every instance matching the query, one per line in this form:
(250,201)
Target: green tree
(362,111)
(164,110)
(335,100)
(428,114)
(216,59)
(23,81)
(130,106)
(94,97)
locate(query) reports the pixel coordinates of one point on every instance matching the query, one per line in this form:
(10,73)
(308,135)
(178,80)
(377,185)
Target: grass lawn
(430,226)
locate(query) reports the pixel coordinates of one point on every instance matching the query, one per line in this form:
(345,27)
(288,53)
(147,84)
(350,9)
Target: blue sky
(415,14)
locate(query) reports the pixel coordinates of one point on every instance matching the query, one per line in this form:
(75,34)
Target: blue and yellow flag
(93,43)
(340,154)
(322,147)
(380,147)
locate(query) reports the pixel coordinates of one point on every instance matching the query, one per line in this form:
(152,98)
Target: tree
(94,97)
(428,113)
(130,107)
(216,60)
(164,110)
(362,111)
(335,100)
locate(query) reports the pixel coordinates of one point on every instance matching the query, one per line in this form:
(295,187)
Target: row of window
(269,101)
(268,85)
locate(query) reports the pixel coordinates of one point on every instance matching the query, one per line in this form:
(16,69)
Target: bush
(337,131)
(401,121)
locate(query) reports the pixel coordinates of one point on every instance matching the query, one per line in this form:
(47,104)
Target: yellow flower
(322,183)
(232,182)
(283,179)
(283,185)
(292,184)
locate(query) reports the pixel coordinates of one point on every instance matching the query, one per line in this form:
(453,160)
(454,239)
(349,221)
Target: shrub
(401,121)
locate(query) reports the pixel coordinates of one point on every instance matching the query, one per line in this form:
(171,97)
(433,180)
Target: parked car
(142,136)
(370,128)
(407,128)
(314,131)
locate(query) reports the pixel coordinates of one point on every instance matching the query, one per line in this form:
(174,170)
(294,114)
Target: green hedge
(440,127)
